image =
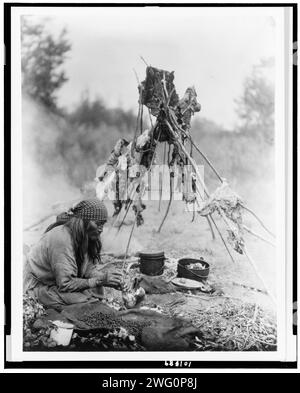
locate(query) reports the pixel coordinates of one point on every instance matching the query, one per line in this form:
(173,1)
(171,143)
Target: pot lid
(156,254)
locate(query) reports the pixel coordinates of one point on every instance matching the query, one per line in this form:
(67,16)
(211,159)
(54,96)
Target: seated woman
(63,267)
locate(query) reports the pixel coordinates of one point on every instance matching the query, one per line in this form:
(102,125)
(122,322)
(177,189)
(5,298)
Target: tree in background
(42,58)
(87,112)
(256,105)
(93,113)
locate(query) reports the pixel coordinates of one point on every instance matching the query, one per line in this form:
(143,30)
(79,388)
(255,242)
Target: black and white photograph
(148,182)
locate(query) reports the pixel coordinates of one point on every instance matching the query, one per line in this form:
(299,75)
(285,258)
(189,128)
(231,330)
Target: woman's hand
(113,279)
(110,278)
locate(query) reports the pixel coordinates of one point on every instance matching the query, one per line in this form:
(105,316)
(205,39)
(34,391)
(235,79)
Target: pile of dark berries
(110,322)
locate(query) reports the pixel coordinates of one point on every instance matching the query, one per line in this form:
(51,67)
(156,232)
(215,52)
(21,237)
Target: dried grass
(235,326)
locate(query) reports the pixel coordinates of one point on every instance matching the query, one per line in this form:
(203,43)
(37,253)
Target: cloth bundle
(156,285)
(158,332)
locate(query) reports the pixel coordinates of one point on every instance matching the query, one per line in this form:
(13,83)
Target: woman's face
(94,230)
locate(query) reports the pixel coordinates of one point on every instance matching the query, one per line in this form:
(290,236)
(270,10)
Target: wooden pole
(127,248)
(169,204)
(39,222)
(258,236)
(258,219)
(223,240)
(162,179)
(191,160)
(252,262)
(219,232)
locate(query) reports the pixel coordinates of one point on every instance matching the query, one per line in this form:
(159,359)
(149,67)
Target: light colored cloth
(51,272)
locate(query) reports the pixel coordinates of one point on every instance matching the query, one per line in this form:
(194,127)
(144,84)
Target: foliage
(71,145)
(256,105)
(94,113)
(42,58)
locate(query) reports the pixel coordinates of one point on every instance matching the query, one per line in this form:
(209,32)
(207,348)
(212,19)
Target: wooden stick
(161,180)
(169,204)
(127,248)
(126,212)
(207,160)
(223,240)
(165,86)
(55,210)
(141,119)
(225,219)
(152,159)
(208,218)
(211,227)
(209,297)
(258,236)
(125,215)
(117,217)
(258,219)
(196,147)
(237,284)
(219,232)
(196,296)
(138,121)
(136,75)
(39,222)
(170,96)
(144,60)
(193,217)
(191,160)
(252,262)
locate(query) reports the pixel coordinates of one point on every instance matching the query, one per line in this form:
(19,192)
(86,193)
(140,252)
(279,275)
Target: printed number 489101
(177,363)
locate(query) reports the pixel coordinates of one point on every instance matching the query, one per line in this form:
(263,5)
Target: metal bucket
(192,274)
(152,264)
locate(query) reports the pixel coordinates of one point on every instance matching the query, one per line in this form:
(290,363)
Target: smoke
(46,185)
(115,242)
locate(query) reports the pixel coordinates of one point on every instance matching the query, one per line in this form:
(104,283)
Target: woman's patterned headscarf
(89,210)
